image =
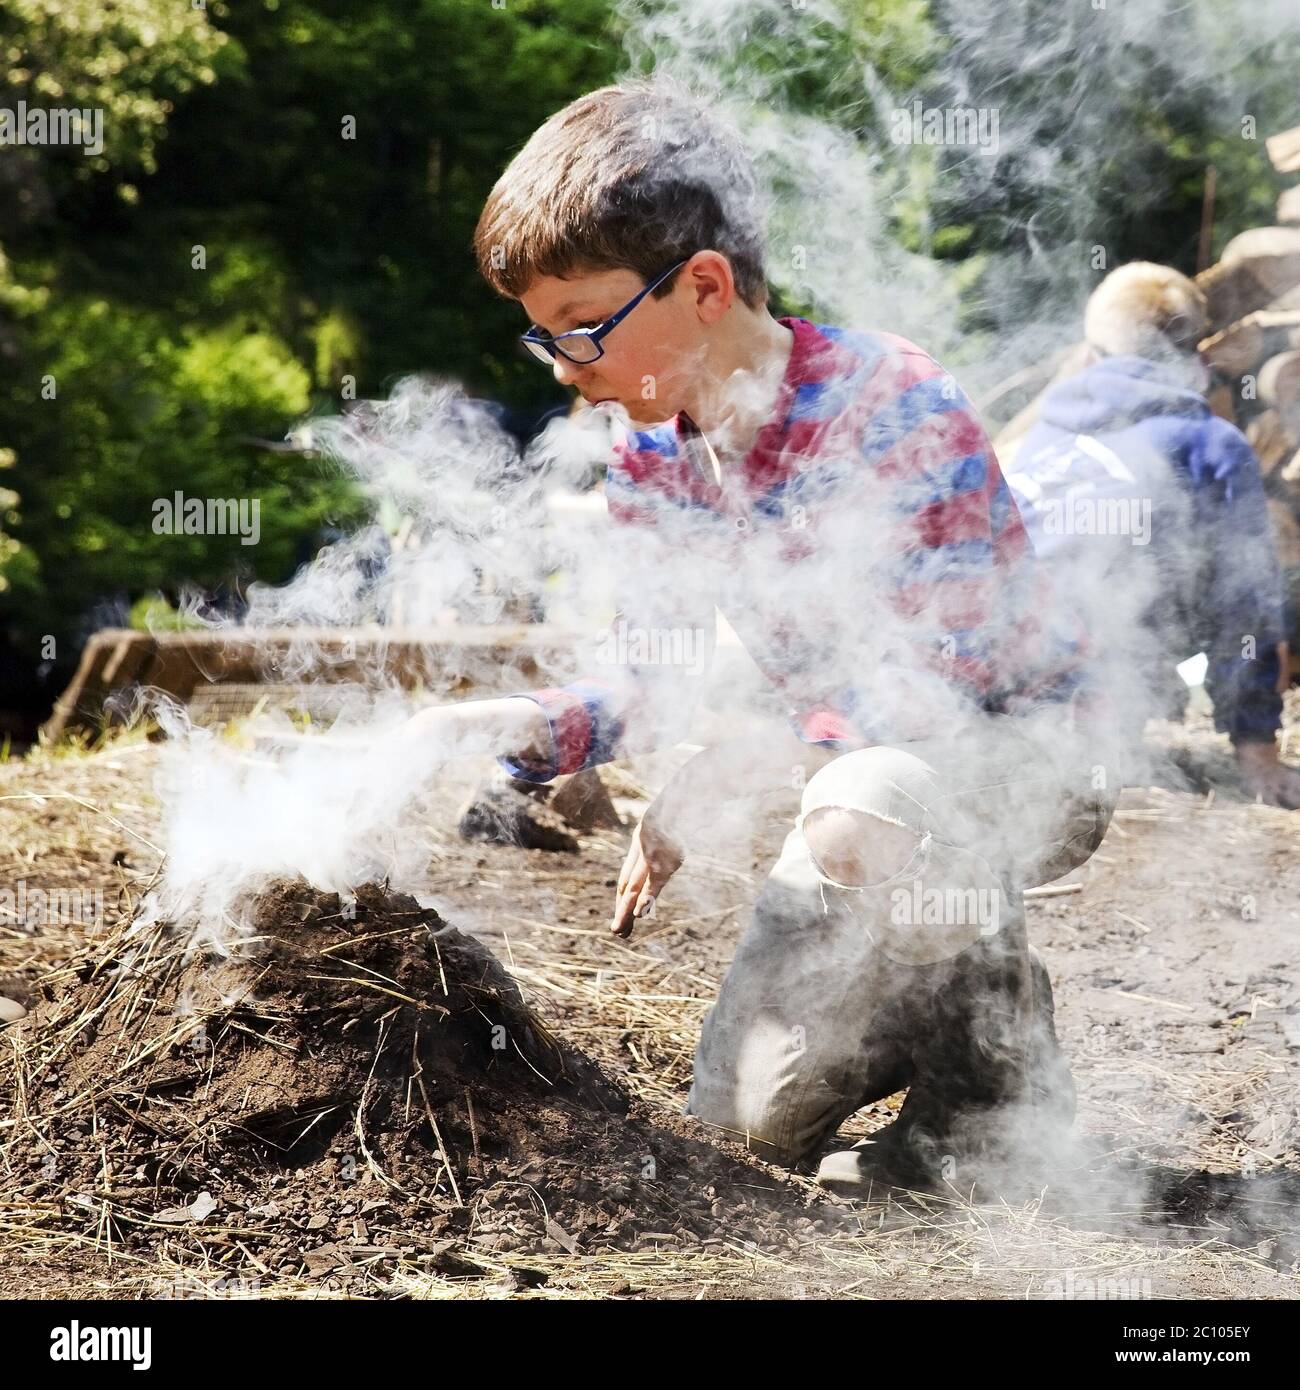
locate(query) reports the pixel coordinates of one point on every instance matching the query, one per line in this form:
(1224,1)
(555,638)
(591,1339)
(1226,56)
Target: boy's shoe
(1001,1150)
(873,1165)
(945,1140)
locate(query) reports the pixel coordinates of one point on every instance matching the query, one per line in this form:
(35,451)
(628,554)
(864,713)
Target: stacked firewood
(1253,294)
(1254,302)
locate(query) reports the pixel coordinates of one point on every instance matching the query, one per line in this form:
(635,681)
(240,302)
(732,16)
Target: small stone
(324,1260)
(584,802)
(198,1210)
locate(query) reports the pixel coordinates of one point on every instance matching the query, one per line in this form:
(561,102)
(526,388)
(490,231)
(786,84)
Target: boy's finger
(632,861)
(632,877)
(623,915)
(625,903)
(626,866)
(657,875)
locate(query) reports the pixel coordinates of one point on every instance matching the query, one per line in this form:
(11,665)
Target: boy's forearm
(510,724)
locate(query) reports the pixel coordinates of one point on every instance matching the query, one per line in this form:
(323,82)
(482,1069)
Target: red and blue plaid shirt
(867,552)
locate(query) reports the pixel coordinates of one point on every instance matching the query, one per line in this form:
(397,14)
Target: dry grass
(89,817)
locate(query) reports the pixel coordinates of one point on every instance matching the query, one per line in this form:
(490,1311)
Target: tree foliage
(280,219)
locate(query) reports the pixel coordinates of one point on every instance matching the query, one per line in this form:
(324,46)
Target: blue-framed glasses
(583,345)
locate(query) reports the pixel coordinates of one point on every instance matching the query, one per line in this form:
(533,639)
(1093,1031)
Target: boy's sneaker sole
(873,1165)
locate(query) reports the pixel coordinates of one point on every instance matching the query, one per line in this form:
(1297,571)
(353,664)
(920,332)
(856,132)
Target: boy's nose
(566,373)
(569,373)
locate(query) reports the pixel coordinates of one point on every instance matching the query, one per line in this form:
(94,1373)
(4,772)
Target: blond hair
(1146,310)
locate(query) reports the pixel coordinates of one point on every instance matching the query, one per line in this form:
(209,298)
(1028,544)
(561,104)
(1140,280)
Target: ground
(1178,1002)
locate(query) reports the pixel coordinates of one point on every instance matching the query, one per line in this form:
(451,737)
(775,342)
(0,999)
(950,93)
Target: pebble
(10,1010)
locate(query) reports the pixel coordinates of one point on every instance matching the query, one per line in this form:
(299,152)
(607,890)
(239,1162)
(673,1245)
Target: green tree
(117,398)
(127,61)
(279,221)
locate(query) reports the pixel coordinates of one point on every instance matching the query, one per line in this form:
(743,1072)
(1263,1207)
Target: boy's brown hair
(633,177)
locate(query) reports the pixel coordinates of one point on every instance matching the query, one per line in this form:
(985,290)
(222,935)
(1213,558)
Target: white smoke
(460,529)
(461,536)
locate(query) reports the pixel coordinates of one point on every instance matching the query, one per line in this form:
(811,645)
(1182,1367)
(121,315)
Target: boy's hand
(653,858)
(742,768)
(1272,781)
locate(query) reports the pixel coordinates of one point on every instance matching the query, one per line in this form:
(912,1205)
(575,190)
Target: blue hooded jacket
(1127,417)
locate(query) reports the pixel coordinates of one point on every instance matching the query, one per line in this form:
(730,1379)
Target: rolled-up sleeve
(965,619)
(584,731)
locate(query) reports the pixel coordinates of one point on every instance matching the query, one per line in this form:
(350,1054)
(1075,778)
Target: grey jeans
(838,995)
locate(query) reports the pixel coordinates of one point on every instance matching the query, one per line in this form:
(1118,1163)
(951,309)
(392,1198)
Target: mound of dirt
(343,1085)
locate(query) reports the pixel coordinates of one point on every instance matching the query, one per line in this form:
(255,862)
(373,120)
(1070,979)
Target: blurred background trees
(280,221)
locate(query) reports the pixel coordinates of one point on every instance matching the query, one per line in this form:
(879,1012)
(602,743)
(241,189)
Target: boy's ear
(713,284)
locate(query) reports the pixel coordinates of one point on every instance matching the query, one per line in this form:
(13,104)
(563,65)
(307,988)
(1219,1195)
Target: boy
(1151,509)
(834,494)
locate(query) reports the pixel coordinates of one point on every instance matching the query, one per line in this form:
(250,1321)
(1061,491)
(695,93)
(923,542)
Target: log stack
(228,673)
(1254,347)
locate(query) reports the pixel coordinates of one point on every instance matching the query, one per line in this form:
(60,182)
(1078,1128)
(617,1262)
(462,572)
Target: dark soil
(1177,1004)
(350,1084)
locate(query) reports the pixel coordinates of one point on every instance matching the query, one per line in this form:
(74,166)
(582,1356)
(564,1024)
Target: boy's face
(648,357)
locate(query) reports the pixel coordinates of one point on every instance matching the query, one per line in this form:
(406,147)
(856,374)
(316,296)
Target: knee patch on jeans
(890,783)
(858,849)
(864,815)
